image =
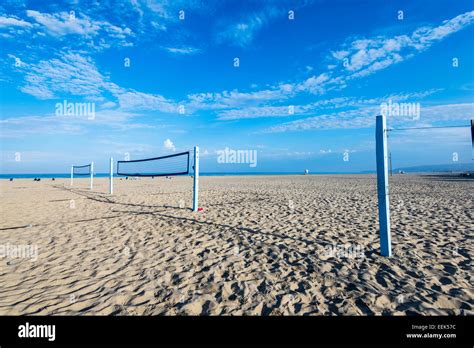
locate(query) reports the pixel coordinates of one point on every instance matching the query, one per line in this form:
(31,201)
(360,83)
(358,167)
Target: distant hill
(454,167)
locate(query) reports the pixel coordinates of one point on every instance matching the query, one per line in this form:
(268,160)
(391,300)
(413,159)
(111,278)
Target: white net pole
(382,185)
(111,178)
(92,174)
(196,179)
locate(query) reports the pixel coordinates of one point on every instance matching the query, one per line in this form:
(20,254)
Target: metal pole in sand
(111,177)
(196,179)
(383,185)
(92,174)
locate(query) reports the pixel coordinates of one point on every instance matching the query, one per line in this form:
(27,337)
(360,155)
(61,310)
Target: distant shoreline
(106,175)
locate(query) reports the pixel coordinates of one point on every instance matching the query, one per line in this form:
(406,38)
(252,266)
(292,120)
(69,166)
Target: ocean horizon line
(106,175)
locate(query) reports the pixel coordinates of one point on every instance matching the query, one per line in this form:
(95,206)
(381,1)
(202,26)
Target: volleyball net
(82,170)
(85,170)
(175,164)
(170,165)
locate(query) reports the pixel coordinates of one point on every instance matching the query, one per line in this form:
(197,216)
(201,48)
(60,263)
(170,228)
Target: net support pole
(472,138)
(196,179)
(72,174)
(92,174)
(111,177)
(381,149)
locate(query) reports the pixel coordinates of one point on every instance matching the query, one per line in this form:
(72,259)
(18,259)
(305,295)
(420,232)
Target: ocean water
(106,175)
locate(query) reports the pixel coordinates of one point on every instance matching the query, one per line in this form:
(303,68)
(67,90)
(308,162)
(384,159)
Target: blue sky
(332,63)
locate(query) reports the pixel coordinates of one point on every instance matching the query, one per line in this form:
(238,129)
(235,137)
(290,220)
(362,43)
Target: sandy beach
(262,245)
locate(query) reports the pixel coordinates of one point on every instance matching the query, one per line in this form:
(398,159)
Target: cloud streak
(365,118)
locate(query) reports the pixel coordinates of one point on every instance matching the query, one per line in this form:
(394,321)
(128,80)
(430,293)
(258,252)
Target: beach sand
(262,245)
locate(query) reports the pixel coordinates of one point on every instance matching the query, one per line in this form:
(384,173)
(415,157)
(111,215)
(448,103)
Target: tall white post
(472,137)
(196,179)
(92,174)
(111,178)
(72,174)
(382,185)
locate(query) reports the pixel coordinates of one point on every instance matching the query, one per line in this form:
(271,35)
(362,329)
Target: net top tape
(87,165)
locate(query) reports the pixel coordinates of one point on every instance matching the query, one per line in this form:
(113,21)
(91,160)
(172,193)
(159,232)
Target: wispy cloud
(60,24)
(76,76)
(363,56)
(183,50)
(361,118)
(22,127)
(291,110)
(235,99)
(85,29)
(242,31)
(12,26)
(13,22)
(125,149)
(365,118)
(66,75)
(133,100)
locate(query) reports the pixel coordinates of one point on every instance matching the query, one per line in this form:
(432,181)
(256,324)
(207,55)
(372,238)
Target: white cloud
(314,84)
(233,99)
(134,150)
(447,112)
(242,33)
(285,110)
(360,118)
(248,112)
(256,112)
(365,118)
(60,24)
(366,56)
(108,105)
(96,34)
(69,74)
(168,144)
(74,76)
(13,22)
(144,101)
(21,127)
(183,50)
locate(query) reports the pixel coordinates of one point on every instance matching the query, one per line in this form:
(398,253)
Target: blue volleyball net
(82,170)
(175,164)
